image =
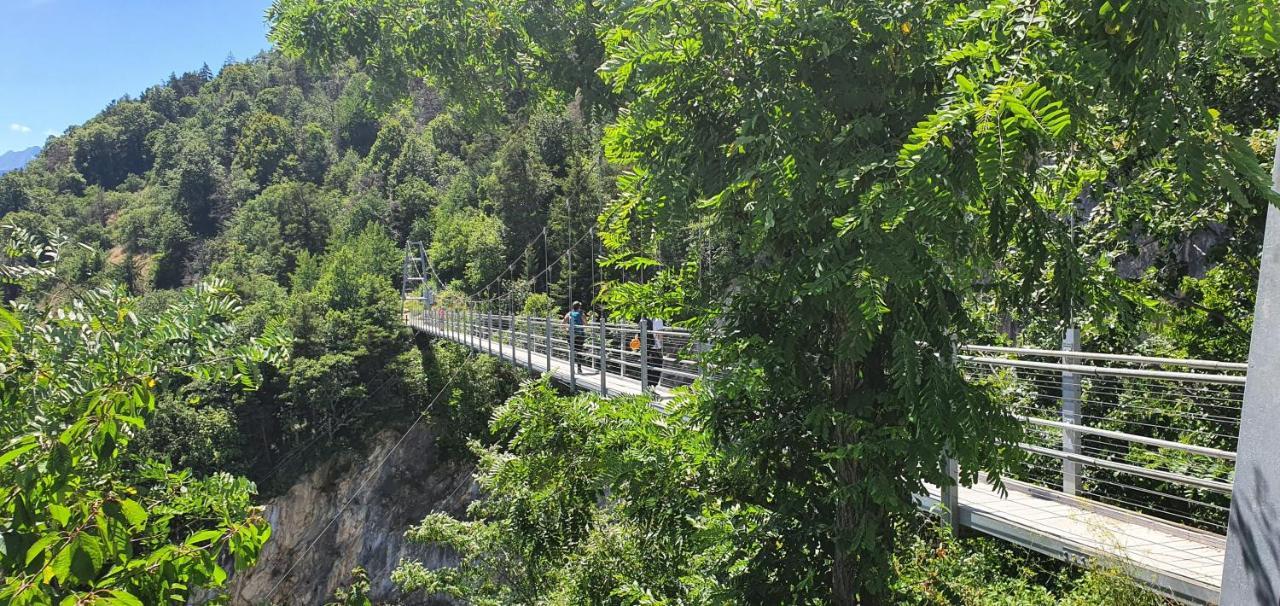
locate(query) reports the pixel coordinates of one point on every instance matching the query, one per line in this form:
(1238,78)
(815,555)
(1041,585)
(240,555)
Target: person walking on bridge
(576,320)
(653,349)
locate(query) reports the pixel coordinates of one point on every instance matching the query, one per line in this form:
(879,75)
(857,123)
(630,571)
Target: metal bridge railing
(623,350)
(1152,436)
(1156,436)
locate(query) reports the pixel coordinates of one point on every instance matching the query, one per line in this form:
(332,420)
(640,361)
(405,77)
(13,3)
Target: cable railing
(1152,435)
(655,359)
(1109,434)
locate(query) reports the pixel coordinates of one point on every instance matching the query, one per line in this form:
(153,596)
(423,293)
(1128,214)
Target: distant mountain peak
(13,160)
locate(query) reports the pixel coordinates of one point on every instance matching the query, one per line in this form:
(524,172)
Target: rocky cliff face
(385,500)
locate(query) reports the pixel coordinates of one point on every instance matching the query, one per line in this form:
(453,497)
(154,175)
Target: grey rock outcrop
(385,500)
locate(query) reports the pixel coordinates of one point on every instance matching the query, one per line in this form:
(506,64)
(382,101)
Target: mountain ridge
(18,158)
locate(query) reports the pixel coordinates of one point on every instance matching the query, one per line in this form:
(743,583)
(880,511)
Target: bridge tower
(1251,572)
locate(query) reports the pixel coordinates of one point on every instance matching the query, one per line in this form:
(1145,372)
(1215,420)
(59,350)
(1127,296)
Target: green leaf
(87,558)
(134,514)
(40,546)
(204,536)
(61,564)
(120,597)
(9,456)
(60,514)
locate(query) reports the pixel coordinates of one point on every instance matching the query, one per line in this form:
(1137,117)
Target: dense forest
(202,283)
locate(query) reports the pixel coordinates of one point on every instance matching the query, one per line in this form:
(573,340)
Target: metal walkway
(1091,443)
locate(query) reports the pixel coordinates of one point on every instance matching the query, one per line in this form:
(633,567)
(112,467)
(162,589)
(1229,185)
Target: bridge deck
(536,361)
(1177,561)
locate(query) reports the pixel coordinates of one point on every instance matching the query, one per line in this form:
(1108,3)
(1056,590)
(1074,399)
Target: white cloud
(19,128)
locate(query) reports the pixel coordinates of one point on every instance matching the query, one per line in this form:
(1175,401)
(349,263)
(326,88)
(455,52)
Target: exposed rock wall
(385,500)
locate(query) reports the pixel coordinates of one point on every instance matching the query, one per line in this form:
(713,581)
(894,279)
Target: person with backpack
(576,320)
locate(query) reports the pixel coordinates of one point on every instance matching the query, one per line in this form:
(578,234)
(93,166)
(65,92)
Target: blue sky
(62,61)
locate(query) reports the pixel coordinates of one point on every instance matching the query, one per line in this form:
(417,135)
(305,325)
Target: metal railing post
(547,321)
(528,342)
(951,497)
(514,362)
(604,360)
(1071,414)
(573,358)
(644,357)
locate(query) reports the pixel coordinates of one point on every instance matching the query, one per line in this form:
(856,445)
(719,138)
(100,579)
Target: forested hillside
(297,187)
(202,283)
(292,191)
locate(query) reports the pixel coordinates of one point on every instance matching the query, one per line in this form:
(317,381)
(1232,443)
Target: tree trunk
(858,577)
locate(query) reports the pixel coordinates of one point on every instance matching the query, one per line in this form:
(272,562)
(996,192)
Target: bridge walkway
(1176,560)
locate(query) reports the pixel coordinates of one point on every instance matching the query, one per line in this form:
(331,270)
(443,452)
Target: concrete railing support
(1251,573)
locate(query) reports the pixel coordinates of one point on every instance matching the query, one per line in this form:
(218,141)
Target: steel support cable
(591,231)
(1187,519)
(1119,457)
(1218,416)
(365,482)
(553,263)
(1183,431)
(1177,388)
(1190,502)
(1086,479)
(509,266)
(1174,413)
(1172,397)
(1121,387)
(1152,474)
(1128,397)
(1100,419)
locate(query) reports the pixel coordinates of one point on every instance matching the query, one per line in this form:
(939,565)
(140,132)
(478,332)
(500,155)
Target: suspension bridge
(1128,460)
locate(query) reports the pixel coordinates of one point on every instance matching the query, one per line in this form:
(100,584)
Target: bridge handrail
(1084,369)
(1202,384)
(1216,453)
(1154,474)
(1125,358)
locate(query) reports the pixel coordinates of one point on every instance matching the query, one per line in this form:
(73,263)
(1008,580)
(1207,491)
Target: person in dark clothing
(576,320)
(653,349)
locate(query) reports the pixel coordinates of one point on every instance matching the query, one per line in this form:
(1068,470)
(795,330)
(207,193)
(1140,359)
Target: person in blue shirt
(576,319)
